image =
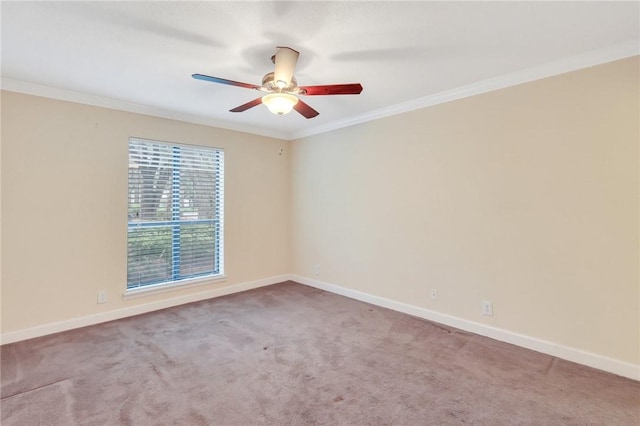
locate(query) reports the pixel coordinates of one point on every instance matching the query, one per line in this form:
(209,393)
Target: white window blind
(175,226)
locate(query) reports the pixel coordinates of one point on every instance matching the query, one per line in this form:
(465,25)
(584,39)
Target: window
(175,226)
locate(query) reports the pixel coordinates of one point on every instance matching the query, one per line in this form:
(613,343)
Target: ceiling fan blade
(248,105)
(224,81)
(305,109)
(285,60)
(332,89)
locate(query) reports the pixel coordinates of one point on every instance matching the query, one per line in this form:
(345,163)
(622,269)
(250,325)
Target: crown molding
(572,63)
(12,85)
(584,60)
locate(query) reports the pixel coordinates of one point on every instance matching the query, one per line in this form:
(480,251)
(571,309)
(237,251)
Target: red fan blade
(248,105)
(224,81)
(305,109)
(332,89)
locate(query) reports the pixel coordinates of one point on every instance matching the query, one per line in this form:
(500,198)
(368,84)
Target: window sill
(165,288)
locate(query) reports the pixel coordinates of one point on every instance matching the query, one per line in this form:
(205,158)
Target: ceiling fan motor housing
(269,85)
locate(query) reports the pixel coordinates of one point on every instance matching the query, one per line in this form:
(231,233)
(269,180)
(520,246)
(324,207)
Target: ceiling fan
(282,87)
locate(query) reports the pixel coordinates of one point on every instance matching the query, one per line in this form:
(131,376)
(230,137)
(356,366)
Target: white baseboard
(579,356)
(56,327)
(600,362)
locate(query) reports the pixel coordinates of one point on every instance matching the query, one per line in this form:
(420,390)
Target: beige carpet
(288,354)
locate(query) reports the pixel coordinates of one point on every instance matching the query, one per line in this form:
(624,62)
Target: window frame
(176,223)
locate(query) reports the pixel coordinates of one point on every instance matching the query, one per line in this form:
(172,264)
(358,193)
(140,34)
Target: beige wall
(64,206)
(527,197)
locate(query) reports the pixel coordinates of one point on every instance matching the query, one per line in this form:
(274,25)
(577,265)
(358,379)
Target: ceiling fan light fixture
(280,103)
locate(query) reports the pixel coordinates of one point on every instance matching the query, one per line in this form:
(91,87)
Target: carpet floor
(289,354)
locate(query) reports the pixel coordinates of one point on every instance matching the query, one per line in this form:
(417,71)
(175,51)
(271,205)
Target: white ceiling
(139,56)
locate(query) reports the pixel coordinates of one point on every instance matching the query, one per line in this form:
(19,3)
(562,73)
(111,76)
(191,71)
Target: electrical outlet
(316,269)
(102,296)
(434,293)
(487,308)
